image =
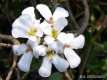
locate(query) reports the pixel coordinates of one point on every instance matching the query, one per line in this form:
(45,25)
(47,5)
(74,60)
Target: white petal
(61,23)
(18,24)
(34,39)
(39,50)
(60,63)
(32,43)
(78,42)
(66,39)
(36,22)
(73,59)
(44,11)
(21,25)
(19,49)
(23,21)
(62,37)
(48,40)
(39,33)
(29,11)
(17,33)
(25,62)
(69,38)
(46,28)
(36,55)
(56,46)
(60,13)
(45,69)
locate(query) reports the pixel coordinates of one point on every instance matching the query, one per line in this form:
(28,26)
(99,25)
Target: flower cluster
(46,39)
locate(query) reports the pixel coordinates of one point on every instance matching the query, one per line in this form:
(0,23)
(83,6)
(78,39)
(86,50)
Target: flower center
(50,54)
(32,31)
(67,46)
(54,33)
(51,21)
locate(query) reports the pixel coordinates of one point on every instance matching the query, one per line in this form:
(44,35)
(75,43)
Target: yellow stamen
(32,31)
(54,33)
(50,54)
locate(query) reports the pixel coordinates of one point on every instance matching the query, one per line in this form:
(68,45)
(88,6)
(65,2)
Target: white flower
(70,42)
(53,24)
(27,54)
(52,58)
(26,26)
(28,50)
(26,58)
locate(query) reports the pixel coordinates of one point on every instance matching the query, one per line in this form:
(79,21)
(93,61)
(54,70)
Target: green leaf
(56,76)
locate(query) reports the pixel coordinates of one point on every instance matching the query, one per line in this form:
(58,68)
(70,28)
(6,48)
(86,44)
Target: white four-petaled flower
(70,42)
(52,58)
(27,26)
(55,23)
